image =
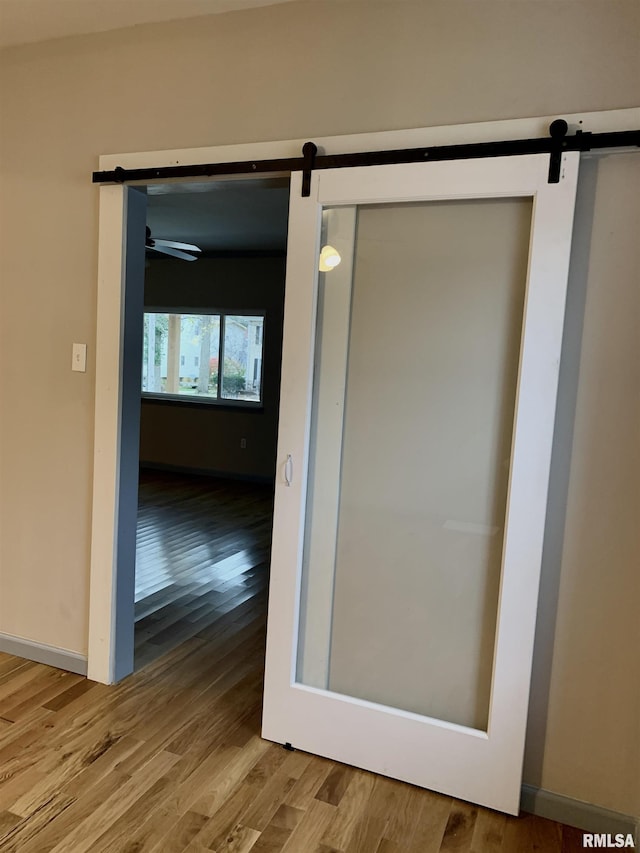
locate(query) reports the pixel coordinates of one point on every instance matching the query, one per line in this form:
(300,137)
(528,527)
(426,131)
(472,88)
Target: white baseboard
(576,813)
(42,653)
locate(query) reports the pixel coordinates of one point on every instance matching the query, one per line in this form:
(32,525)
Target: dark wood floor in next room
(203,547)
(171,760)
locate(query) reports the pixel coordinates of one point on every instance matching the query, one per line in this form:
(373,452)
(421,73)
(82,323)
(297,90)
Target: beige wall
(317,69)
(584,728)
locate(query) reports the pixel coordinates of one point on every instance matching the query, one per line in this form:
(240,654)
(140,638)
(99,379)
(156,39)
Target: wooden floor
(203,547)
(171,760)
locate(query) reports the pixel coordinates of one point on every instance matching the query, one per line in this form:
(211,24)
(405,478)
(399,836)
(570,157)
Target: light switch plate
(79,358)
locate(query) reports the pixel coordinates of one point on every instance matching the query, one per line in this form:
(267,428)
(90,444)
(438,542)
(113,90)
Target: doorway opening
(209,398)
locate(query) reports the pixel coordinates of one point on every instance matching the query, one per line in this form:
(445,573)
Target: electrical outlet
(243,443)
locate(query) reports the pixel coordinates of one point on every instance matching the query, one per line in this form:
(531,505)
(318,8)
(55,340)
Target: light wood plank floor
(171,761)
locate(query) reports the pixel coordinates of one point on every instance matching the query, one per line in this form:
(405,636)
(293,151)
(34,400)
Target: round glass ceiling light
(329,258)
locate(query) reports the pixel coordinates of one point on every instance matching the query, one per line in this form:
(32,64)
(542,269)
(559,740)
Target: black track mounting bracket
(558,131)
(309,151)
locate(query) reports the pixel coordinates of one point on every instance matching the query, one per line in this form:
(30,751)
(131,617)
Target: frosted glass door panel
(417,353)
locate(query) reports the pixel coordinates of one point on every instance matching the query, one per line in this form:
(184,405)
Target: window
(206,341)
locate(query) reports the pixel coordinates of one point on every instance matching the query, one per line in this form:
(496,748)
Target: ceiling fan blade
(175,253)
(172,244)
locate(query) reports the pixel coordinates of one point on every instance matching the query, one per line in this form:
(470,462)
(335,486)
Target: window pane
(242,374)
(181,353)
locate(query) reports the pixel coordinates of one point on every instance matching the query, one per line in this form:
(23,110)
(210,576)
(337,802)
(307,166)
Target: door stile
(293,435)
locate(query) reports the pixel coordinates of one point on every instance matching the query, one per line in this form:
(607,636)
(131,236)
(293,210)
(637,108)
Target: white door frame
(110,315)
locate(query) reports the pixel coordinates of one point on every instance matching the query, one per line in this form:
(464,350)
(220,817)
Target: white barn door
(419,383)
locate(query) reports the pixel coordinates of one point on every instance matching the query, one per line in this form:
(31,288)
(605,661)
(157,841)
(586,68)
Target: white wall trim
(106,448)
(101,641)
(42,653)
(585,816)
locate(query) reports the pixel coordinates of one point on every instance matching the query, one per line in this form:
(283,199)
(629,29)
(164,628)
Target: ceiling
(222,216)
(247,215)
(24,21)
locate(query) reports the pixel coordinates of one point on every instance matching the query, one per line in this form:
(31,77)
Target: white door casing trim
(106,451)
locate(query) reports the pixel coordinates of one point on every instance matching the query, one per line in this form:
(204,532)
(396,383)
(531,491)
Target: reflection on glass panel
(330,374)
(414,392)
(181,355)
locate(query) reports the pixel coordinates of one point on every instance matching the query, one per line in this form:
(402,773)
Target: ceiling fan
(171,247)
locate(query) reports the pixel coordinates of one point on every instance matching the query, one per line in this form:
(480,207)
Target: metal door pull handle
(288,469)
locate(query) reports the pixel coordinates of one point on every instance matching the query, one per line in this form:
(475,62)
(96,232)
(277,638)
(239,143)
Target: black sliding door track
(555,145)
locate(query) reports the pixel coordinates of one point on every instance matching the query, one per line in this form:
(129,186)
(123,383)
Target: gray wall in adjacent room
(207,437)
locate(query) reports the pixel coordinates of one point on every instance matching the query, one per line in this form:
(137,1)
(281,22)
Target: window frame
(218,400)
